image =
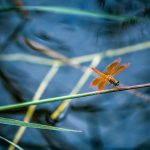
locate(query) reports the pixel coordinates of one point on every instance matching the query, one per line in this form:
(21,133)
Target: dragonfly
(107,76)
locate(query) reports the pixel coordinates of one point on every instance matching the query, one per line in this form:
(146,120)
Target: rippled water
(111,121)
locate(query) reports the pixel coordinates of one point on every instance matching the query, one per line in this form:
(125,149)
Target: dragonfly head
(117,83)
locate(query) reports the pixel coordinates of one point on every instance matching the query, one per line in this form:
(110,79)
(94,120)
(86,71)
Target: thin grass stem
(62,98)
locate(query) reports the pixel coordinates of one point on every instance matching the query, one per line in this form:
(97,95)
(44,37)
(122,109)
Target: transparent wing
(102,85)
(95,81)
(111,67)
(119,69)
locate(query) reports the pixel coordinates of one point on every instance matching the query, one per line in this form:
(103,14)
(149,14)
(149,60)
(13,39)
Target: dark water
(109,122)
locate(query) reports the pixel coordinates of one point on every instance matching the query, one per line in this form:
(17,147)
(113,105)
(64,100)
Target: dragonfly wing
(102,75)
(95,81)
(109,69)
(119,69)
(102,85)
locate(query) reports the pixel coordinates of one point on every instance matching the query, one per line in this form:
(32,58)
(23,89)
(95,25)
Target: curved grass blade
(14,122)
(69,11)
(15,145)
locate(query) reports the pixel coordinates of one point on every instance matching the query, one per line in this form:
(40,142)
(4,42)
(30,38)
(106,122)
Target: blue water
(109,122)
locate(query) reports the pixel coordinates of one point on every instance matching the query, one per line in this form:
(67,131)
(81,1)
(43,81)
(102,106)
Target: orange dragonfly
(107,76)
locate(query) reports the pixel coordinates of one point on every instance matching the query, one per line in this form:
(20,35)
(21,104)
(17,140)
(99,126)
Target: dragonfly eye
(117,84)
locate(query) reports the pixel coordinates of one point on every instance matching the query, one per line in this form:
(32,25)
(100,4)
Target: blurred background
(47,50)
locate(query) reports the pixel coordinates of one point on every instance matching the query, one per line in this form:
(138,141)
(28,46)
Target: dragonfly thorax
(112,80)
